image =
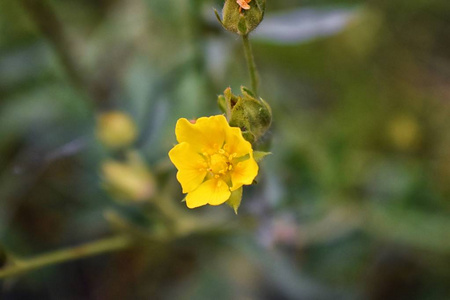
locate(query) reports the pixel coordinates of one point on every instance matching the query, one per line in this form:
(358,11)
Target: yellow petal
(243,173)
(207,134)
(213,191)
(235,142)
(190,179)
(191,166)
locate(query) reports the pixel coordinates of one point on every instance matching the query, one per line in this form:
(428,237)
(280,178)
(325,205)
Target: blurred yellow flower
(116,129)
(213,160)
(128,180)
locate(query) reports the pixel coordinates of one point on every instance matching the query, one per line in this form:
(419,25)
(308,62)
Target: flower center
(219,163)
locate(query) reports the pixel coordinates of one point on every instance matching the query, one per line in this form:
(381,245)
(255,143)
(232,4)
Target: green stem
(251,64)
(101,246)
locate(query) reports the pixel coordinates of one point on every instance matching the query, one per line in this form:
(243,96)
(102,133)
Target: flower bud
(253,116)
(129,180)
(404,132)
(242,16)
(116,129)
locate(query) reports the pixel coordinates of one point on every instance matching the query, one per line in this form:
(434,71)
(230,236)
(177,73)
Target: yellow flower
(129,180)
(116,129)
(213,160)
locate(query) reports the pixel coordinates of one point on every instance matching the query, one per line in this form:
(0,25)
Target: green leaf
(259,155)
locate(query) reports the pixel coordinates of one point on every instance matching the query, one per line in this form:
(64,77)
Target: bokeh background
(354,202)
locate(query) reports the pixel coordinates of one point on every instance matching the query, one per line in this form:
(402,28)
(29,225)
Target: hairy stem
(101,246)
(251,64)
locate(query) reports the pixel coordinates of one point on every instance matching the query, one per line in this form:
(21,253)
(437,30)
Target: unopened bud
(253,116)
(242,16)
(129,180)
(116,129)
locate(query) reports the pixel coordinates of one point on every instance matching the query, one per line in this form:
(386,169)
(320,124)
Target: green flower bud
(242,16)
(253,116)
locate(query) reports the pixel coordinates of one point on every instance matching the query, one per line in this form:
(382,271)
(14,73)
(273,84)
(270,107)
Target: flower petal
(207,134)
(213,191)
(190,179)
(243,173)
(235,142)
(191,166)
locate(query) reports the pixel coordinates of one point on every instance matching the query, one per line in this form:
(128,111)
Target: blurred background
(354,202)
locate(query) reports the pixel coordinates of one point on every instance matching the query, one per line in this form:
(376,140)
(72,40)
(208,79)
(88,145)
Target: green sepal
(235,199)
(218,16)
(248,136)
(242,26)
(246,92)
(260,155)
(242,158)
(222,103)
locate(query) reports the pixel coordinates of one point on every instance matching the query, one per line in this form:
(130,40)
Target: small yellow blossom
(213,160)
(116,129)
(130,179)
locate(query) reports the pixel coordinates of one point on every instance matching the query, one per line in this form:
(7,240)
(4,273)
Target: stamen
(232,156)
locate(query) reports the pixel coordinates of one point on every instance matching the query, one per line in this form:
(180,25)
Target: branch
(101,246)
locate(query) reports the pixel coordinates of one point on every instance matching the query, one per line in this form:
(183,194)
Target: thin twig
(101,246)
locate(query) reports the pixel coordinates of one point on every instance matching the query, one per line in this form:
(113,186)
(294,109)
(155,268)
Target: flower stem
(101,246)
(251,64)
